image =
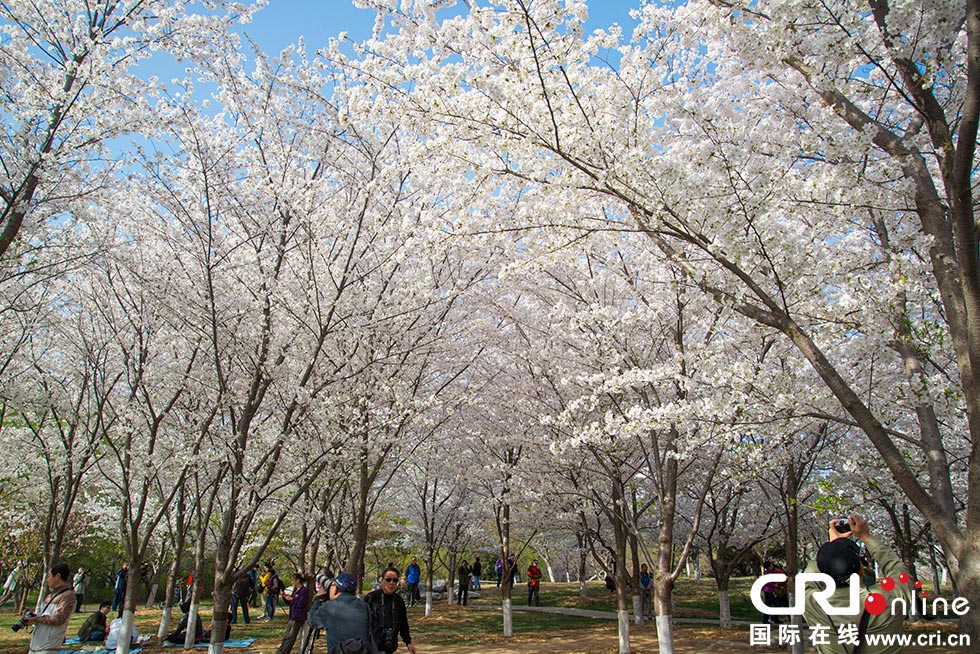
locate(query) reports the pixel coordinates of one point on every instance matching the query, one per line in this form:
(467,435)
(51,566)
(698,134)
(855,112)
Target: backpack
(350,646)
(274,584)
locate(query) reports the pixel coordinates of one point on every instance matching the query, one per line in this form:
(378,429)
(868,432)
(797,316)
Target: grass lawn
(479,624)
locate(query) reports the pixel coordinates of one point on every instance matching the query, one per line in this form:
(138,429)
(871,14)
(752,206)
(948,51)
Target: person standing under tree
(533,583)
(477,571)
(646,592)
(389,618)
(51,622)
(346,618)
(79,582)
(299,606)
(413,575)
(241,593)
(10,586)
(272,586)
(119,592)
(463,593)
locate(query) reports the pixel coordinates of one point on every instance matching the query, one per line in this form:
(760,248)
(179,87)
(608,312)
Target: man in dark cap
(347,620)
(840,558)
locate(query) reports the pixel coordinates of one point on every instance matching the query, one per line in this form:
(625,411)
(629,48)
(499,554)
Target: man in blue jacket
(413,574)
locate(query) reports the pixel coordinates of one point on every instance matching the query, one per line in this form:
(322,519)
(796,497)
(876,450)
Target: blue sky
(282,22)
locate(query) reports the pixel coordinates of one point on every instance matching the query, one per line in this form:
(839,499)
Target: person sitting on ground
(179,635)
(94,628)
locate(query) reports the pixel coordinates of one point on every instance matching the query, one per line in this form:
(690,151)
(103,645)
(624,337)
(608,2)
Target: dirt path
(604,640)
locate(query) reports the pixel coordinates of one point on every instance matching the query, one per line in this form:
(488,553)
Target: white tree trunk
(582,591)
(125,632)
(428,602)
(165,623)
(637,609)
(665,634)
(724,610)
(191,628)
(219,646)
(624,631)
(551,572)
(508,618)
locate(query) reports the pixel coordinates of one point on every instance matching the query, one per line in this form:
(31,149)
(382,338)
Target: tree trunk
(355,561)
(583,554)
(792,544)
(507,582)
(634,543)
(664,581)
(129,606)
(621,573)
(969,587)
(724,610)
(451,579)
(429,562)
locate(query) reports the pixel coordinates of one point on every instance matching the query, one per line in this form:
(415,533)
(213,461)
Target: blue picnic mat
(237,643)
(132,650)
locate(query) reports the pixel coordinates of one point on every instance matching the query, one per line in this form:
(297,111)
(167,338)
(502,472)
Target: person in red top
(533,583)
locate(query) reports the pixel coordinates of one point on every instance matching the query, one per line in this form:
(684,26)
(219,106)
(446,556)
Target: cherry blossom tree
(807,164)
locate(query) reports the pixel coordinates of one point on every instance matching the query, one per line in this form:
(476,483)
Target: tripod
(309,641)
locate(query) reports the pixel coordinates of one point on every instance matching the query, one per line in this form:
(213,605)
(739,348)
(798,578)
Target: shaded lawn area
(481,624)
(691,600)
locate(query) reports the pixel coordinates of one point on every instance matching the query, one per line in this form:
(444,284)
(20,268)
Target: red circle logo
(875,604)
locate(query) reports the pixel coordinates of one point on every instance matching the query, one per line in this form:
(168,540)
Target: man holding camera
(79,584)
(51,623)
(389,618)
(839,558)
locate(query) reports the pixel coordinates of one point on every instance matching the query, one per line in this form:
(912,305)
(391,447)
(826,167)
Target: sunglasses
(391,578)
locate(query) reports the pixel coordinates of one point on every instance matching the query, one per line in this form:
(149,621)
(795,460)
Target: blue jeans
(270,606)
(235,601)
(118,597)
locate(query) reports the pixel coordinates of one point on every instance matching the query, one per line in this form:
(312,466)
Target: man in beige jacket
(51,623)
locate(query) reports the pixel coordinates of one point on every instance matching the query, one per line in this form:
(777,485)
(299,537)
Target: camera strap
(52,598)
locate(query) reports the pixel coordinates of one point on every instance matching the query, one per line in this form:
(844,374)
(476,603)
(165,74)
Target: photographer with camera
(51,623)
(839,558)
(389,617)
(79,584)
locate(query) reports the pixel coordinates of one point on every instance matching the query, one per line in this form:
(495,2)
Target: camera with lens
(390,639)
(842,526)
(20,624)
